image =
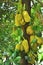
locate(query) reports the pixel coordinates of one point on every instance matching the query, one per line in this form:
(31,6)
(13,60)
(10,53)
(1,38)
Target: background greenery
(10,34)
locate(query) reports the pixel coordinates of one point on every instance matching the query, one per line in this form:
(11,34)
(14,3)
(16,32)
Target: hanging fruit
(18,18)
(22,22)
(25,45)
(29,30)
(26,16)
(17,47)
(39,40)
(32,39)
(31,58)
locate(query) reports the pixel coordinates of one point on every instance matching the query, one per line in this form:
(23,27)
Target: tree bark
(28,9)
(28,5)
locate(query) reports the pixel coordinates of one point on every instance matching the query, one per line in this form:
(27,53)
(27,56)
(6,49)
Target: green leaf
(7,62)
(17,59)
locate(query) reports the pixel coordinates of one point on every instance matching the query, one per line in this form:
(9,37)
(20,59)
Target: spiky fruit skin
(17,47)
(25,45)
(18,17)
(29,30)
(22,22)
(21,19)
(32,37)
(31,57)
(26,16)
(39,40)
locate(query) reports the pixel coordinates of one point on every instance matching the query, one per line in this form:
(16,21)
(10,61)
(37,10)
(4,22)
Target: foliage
(12,17)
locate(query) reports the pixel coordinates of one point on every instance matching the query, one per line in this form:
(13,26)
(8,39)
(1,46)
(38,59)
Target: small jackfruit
(26,16)
(18,18)
(29,30)
(22,22)
(39,40)
(17,47)
(32,37)
(25,45)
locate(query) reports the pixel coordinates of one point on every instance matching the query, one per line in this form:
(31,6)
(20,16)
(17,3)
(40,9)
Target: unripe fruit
(32,37)
(22,22)
(39,40)
(31,57)
(21,47)
(17,23)
(26,16)
(34,47)
(17,47)
(29,30)
(25,45)
(18,18)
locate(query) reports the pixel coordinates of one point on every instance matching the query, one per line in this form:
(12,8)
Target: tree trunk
(28,5)
(28,9)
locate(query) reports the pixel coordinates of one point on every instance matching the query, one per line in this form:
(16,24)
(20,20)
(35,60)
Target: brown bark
(28,9)
(28,5)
